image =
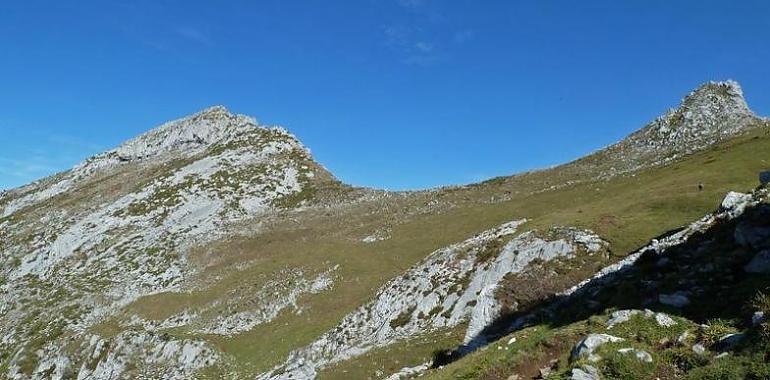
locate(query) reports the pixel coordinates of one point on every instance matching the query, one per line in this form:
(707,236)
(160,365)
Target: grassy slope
(627,211)
(724,303)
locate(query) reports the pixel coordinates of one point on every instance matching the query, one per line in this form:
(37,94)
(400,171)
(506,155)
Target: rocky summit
(214,247)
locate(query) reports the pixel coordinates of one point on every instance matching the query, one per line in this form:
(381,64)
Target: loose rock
(586,347)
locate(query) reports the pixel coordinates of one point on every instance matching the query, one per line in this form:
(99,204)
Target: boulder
(734,203)
(760,263)
(620,316)
(586,347)
(585,372)
(664,320)
(729,341)
(758,317)
(678,299)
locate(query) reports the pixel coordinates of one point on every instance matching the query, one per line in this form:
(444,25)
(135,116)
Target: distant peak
(213,110)
(712,107)
(728,90)
(708,114)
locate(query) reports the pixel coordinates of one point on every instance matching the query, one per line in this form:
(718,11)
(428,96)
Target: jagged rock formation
(714,112)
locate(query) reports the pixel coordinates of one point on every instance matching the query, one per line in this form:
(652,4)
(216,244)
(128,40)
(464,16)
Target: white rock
(585,372)
(734,203)
(664,320)
(619,317)
(585,347)
(640,354)
(410,371)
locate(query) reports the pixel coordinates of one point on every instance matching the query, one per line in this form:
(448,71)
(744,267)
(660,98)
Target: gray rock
(641,355)
(586,347)
(734,203)
(760,263)
(757,318)
(620,316)
(729,341)
(678,299)
(698,349)
(664,320)
(585,372)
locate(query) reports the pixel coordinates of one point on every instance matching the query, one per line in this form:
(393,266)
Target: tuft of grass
(714,330)
(403,318)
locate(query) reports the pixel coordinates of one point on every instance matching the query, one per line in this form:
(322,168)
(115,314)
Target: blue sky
(396,94)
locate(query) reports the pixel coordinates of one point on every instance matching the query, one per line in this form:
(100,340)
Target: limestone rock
(585,372)
(586,347)
(664,320)
(734,203)
(620,316)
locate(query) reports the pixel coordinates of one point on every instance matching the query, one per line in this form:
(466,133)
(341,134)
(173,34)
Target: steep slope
(213,247)
(712,113)
(703,294)
(79,246)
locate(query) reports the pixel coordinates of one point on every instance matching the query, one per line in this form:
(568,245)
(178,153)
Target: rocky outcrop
(586,347)
(453,285)
(712,113)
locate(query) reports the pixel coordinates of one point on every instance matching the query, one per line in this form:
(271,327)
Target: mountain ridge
(232,251)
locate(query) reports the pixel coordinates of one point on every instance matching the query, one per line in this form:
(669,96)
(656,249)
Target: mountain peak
(724,97)
(199,130)
(711,112)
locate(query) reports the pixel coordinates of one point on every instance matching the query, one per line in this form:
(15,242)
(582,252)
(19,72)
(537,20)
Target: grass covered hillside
(214,247)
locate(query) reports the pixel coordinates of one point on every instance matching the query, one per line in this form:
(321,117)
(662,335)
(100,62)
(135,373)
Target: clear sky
(397,94)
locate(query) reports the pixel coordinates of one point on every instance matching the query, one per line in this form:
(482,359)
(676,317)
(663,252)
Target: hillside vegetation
(214,247)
